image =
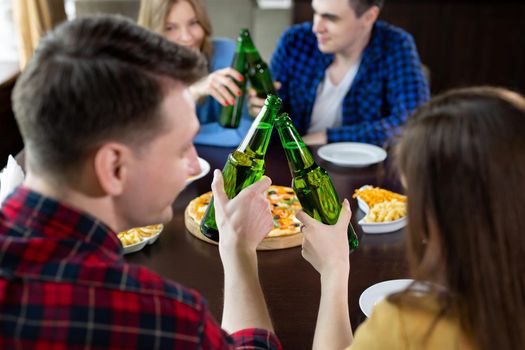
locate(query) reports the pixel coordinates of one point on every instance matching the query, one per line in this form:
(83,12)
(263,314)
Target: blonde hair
(153,13)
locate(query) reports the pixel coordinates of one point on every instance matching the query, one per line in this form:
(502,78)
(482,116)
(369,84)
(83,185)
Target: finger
(216,95)
(305,218)
(232,86)
(277,85)
(233,73)
(224,93)
(345,215)
(261,185)
(217,188)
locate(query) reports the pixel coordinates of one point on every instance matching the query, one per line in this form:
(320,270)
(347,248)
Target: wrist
(336,275)
(197,90)
(236,256)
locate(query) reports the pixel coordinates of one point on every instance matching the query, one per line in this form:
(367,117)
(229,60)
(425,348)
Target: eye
(170,28)
(194,23)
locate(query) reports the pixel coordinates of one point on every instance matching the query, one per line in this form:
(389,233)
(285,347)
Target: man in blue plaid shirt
(347,76)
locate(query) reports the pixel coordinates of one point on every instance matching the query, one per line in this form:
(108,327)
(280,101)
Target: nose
(185,36)
(318,26)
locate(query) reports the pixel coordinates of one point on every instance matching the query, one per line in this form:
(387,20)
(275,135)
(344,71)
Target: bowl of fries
(135,239)
(385,210)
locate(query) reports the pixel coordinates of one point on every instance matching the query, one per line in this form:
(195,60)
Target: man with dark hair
(347,76)
(102,106)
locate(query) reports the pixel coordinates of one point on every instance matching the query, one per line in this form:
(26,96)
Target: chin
(325,48)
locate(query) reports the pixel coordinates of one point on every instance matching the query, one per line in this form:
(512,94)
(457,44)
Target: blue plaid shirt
(388,86)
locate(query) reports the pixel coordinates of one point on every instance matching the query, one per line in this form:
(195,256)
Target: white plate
(205,168)
(352,154)
(379,291)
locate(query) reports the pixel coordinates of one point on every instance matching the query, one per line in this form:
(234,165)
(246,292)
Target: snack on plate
(129,237)
(386,211)
(136,235)
(283,203)
(374,195)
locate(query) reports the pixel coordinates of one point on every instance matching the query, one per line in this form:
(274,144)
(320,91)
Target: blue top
(208,111)
(388,86)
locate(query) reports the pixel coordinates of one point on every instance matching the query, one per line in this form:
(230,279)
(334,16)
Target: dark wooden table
(291,285)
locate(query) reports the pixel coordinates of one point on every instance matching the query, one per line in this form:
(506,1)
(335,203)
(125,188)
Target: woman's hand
(220,85)
(326,247)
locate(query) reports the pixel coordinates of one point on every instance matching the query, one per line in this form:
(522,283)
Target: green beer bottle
(258,71)
(310,182)
(230,116)
(245,165)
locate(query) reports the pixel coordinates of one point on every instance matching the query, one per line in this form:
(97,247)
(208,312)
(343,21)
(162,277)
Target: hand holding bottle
(326,247)
(245,220)
(256,103)
(221,85)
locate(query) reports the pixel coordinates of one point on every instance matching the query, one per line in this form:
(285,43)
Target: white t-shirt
(328,106)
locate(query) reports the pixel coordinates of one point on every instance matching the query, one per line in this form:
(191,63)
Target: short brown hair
(361,6)
(92,80)
(463,159)
(153,13)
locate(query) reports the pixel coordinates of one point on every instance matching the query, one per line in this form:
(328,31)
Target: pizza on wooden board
(283,203)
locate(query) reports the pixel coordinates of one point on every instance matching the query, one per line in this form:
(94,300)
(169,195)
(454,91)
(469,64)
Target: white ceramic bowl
(382,227)
(135,247)
(378,227)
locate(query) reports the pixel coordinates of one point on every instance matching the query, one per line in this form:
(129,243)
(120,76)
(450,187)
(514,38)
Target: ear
(112,161)
(371,15)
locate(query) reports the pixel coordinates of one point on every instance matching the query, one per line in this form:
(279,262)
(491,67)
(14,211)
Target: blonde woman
(186,23)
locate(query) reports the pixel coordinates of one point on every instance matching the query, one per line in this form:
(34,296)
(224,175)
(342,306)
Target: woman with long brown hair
(186,22)
(462,159)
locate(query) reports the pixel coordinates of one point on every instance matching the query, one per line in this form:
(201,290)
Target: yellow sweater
(405,327)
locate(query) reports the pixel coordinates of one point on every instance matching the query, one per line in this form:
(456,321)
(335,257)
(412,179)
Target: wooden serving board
(268,243)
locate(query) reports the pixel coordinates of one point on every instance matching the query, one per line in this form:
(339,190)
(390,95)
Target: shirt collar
(41,216)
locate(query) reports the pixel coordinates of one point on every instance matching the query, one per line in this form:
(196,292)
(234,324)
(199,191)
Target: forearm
(244,304)
(333,329)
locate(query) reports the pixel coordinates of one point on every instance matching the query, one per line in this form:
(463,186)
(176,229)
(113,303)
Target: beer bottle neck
(298,155)
(252,55)
(256,141)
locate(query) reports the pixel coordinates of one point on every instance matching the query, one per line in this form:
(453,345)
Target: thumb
(277,85)
(303,217)
(345,215)
(217,187)
(261,185)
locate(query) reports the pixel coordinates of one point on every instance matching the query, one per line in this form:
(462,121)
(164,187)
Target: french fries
(386,211)
(374,195)
(136,235)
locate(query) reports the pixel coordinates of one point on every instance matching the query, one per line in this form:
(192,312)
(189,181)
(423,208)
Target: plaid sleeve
(406,89)
(214,337)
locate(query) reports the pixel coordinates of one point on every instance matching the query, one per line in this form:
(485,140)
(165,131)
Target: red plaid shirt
(65,285)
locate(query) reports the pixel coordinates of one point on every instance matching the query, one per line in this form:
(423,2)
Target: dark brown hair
(153,13)
(463,159)
(92,80)
(361,6)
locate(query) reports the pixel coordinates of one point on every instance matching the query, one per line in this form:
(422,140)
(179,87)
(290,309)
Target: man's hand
(219,84)
(317,138)
(255,104)
(245,220)
(325,247)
